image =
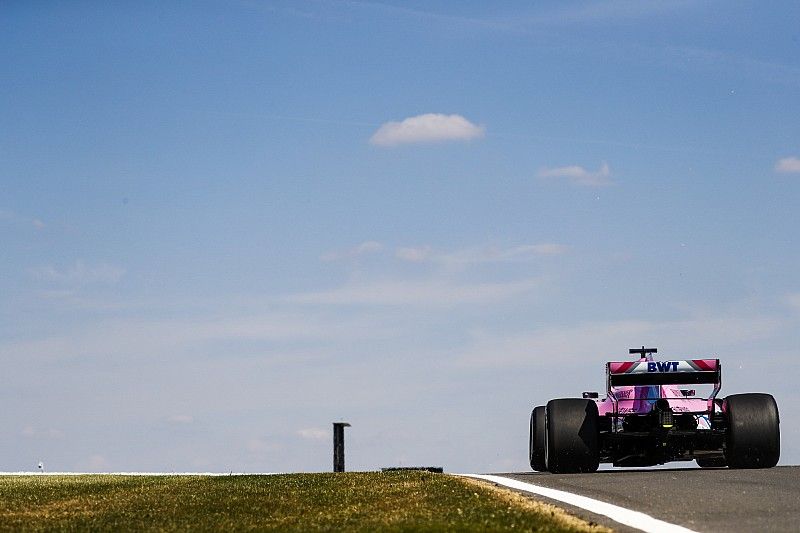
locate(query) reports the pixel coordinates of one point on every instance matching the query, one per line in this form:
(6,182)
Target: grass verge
(368,501)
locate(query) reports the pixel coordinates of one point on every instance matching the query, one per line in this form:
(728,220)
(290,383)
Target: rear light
(664,413)
(665,418)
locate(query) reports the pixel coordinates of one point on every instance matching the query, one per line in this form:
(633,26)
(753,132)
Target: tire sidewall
(537,442)
(753,434)
(572,435)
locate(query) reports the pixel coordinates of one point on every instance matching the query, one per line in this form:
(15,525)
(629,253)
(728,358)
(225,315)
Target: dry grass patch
(358,501)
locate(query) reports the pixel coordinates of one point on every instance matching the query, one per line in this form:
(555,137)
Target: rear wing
(687,372)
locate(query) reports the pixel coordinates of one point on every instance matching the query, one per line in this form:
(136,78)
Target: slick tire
(572,436)
(753,439)
(537,447)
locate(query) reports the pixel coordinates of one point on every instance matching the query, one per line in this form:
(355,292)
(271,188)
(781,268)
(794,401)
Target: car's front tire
(538,439)
(753,438)
(572,436)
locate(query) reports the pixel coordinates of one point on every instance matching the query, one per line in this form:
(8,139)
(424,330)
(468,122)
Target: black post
(338,445)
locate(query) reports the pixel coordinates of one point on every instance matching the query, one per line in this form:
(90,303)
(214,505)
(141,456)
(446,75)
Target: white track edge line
(635,519)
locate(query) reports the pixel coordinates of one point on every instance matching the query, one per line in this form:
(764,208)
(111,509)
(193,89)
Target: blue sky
(227,224)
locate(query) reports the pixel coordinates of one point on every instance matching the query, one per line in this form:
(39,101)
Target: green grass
(395,501)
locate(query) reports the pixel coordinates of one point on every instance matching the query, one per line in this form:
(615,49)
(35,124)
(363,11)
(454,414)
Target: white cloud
(793,300)
(314,434)
(56,294)
(52,433)
(427,128)
(181,419)
(12,217)
(485,254)
(80,274)
(282,327)
(579,175)
(613,11)
(137,338)
(549,248)
(424,293)
(414,255)
(581,341)
(258,446)
(788,165)
(477,254)
(533,16)
(367,247)
(98,463)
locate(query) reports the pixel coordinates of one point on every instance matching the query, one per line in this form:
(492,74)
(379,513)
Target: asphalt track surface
(704,500)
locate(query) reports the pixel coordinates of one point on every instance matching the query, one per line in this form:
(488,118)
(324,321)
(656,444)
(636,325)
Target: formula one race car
(648,417)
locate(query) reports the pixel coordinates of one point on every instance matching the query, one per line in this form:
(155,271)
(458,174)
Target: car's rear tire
(753,439)
(711,462)
(572,436)
(538,440)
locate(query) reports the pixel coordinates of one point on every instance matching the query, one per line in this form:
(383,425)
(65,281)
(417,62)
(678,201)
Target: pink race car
(650,416)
